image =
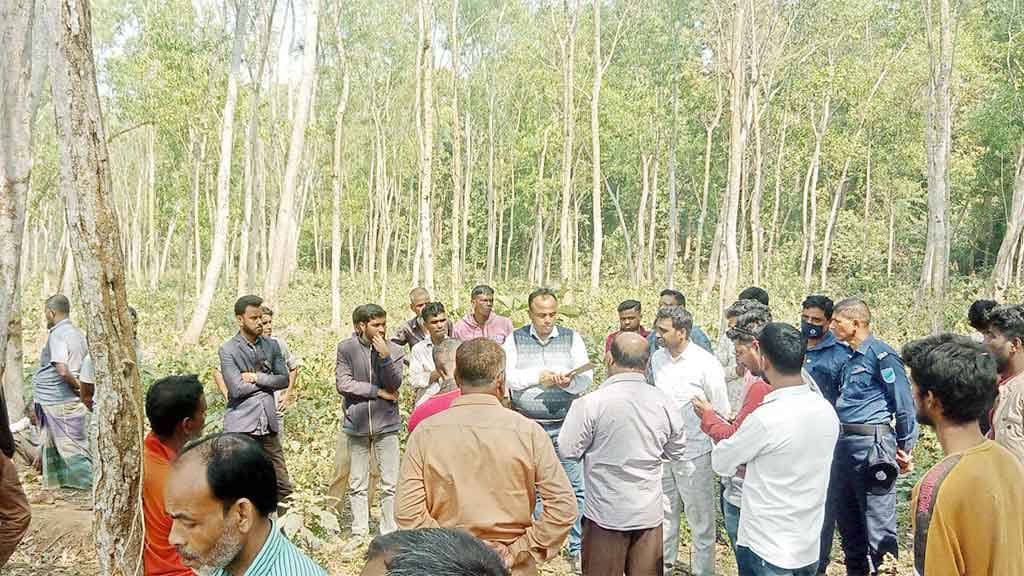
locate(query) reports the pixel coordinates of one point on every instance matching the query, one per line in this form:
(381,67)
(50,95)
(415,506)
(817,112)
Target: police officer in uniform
(871,451)
(824,361)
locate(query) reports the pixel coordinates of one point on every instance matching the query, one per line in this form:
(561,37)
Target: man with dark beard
(220,495)
(1005,342)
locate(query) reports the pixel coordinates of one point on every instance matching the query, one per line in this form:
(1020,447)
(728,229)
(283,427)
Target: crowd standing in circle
(789,432)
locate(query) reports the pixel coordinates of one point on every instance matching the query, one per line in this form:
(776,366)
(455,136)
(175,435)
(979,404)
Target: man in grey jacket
(253,369)
(368,375)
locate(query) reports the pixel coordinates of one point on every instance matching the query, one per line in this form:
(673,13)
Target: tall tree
(338,182)
(737,143)
(673,197)
(283,249)
(938,131)
(1011,238)
(567,48)
(426,247)
(220,231)
(455,268)
(95,240)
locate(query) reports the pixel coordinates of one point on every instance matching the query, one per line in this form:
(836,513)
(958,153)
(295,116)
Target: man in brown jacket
(478,467)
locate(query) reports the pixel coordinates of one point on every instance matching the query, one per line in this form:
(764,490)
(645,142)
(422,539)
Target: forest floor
(60,543)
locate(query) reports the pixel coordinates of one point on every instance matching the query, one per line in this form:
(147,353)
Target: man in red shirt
(629,321)
(176,409)
(444,362)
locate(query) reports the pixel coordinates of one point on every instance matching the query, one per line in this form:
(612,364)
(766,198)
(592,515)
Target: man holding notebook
(543,373)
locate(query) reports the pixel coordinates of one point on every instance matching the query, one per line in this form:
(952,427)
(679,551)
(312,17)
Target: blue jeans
(731,517)
(574,470)
(750,564)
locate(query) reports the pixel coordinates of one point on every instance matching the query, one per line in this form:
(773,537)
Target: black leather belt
(864,429)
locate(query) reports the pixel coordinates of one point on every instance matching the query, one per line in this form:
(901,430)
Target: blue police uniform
(825,362)
(874,390)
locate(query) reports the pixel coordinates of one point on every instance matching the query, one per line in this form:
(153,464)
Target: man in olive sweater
(368,375)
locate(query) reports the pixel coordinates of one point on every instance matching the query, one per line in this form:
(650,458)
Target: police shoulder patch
(882,355)
(889,375)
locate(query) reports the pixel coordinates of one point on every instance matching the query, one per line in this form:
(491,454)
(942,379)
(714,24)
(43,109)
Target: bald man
(622,432)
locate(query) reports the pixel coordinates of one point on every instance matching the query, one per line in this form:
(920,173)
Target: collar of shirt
(554,334)
(686,353)
(866,345)
(64,321)
(476,400)
(155,446)
(243,340)
(263,563)
(471,320)
(636,377)
(828,340)
(785,392)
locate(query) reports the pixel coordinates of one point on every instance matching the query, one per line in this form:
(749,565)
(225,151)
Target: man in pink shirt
(629,321)
(482,322)
(444,362)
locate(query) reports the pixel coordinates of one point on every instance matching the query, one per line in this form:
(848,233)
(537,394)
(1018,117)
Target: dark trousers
(828,529)
(750,564)
(867,522)
(271,443)
(15,513)
(614,553)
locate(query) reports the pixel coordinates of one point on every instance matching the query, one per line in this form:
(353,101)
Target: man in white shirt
(540,360)
(685,371)
(786,446)
(622,432)
(424,377)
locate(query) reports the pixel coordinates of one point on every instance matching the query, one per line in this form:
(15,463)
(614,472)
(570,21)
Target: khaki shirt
(1008,418)
(478,466)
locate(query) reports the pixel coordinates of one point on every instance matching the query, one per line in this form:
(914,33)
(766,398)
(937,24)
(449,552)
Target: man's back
(968,515)
(477,466)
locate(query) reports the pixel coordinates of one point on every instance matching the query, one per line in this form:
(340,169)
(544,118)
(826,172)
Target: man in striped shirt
(220,495)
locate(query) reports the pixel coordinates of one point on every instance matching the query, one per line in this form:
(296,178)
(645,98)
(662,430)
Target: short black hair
(170,400)
(539,292)
(681,318)
(750,322)
(435,551)
(267,310)
(367,312)
(431,310)
(481,289)
(956,370)
(977,314)
(824,303)
(236,467)
(783,346)
(635,361)
(754,293)
(59,303)
(1008,320)
(676,294)
(245,302)
(629,305)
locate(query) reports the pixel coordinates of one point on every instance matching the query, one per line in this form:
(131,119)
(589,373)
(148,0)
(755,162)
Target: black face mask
(811,330)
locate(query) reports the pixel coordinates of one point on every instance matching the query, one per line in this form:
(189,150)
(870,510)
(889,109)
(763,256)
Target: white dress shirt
(622,432)
(521,379)
(787,446)
(421,364)
(695,372)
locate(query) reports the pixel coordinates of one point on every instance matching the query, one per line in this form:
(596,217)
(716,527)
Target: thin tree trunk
(455,270)
(567,46)
(492,201)
(652,227)
(86,185)
(283,254)
(639,274)
(756,229)
(673,208)
(737,143)
(811,189)
(595,144)
(833,218)
(153,244)
(466,194)
(213,270)
(892,236)
(426,249)
(777,203)
(338,182)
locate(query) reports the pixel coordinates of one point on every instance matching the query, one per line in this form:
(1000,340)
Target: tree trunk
(85,181)
(220,230)
(282,252)
(811,190)
(425,244)
(16,112)
(867,203)
(595,144)
(756,229)
(778,191)
(338,182)
(567,46)
(455,269)
(153,243)
(833,218)
(492,201)
(1001,273)
(737,143)
(892,235)
(673,207)
(622,226)
(639,274)
(652,227)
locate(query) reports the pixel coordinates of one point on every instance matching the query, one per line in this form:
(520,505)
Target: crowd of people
(512,455)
